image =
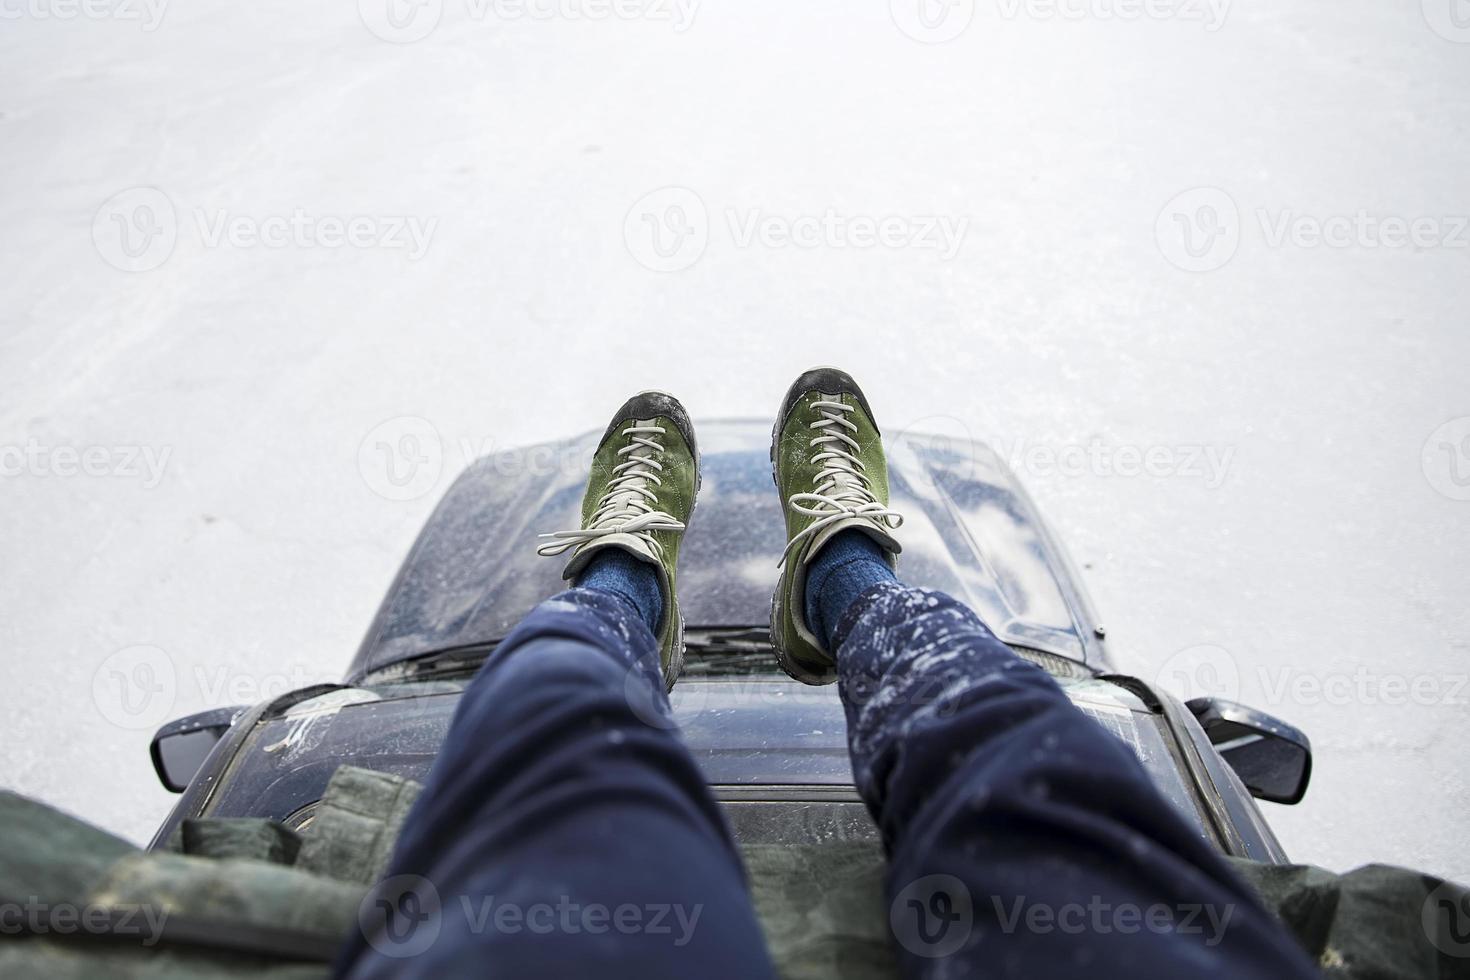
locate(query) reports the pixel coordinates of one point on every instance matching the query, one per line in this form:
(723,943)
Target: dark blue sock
(848,565)
(614,570)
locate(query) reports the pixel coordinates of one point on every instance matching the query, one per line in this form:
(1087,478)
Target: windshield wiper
(711,650)
(722,638)
(728,650)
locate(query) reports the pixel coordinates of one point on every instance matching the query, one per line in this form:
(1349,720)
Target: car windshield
(766,743)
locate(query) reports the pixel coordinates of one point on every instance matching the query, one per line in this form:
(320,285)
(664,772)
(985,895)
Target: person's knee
(562,678)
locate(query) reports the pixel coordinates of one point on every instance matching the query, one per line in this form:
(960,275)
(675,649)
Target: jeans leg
(565,830)
(1024,840)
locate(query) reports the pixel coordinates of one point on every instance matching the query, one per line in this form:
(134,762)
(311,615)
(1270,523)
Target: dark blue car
(772,749)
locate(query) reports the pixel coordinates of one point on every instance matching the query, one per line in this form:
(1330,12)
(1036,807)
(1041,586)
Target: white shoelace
(630,505)
(841,485)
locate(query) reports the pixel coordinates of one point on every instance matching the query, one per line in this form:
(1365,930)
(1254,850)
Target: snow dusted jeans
(566,832)
(1023,839)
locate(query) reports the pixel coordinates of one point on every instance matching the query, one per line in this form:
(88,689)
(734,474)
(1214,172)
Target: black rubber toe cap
(654,404)
(828,381)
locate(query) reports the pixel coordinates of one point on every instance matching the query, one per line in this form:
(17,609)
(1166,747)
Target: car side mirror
(1272,758)
(180,747)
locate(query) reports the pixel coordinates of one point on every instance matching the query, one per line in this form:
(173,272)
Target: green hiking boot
(827,460)
(645,475)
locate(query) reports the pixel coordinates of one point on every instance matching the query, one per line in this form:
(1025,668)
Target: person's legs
(565,830)
(1023,838)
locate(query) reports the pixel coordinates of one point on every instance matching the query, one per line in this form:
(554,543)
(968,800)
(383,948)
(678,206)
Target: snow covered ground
(1199,268)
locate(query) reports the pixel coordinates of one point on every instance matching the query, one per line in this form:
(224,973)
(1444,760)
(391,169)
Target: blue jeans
(559,823)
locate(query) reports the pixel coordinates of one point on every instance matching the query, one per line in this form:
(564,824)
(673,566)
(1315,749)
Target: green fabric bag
(229,898)
(229,887)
